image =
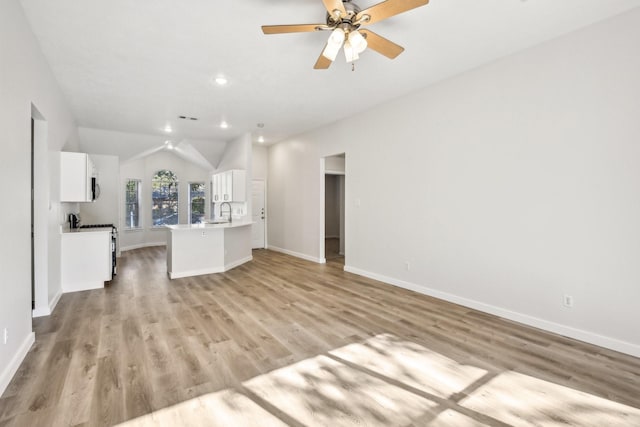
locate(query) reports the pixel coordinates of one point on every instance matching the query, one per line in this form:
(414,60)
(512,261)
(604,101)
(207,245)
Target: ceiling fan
(344,19)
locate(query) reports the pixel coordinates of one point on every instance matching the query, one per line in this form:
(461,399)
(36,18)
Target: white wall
(260,162)
(144,169)
(504,188)
(26,79)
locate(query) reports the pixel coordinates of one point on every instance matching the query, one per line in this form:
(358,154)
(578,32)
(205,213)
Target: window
(196,202)
(164,194)
(132,204)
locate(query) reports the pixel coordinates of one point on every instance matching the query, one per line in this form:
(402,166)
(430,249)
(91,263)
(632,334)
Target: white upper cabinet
(76,173)
(229,186)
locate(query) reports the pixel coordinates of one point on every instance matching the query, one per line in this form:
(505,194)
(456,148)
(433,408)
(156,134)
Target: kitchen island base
(198,249)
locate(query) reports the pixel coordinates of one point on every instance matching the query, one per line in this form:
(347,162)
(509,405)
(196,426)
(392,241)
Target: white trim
(296,254)
(141,245)
(7,374)
(46,311)
(557,328)
(321,217)
(210,270)
(83,286)
(133,230)
(235,264)
(199,272)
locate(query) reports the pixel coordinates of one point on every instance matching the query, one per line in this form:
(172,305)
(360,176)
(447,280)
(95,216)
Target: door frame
(41,206)
(266,217)
(323,171)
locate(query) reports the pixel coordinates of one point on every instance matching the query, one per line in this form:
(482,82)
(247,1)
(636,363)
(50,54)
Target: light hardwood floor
(282,341)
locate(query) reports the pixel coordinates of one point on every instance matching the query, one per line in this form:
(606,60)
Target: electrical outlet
(567,301)
(5,335)
(407,265)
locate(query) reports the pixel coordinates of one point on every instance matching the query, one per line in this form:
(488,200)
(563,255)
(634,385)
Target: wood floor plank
(189,351)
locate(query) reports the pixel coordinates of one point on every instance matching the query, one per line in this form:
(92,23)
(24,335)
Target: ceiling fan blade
(381,45)
(387,9)
(281,29)
(333,5)
(323,62)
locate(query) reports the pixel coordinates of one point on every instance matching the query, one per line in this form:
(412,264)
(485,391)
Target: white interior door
(257,214)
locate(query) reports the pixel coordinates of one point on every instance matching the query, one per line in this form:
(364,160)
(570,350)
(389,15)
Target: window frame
(138,202)
(190,200)
(176,181)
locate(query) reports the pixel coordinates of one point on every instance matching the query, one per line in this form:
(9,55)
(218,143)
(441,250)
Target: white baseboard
(46,311)
(198,272)
(557,328)
(84,286)
(211,270)
(234,264)
(297,254)
(141,245)
(9,371)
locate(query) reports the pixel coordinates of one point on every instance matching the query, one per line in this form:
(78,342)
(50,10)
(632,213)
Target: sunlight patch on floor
(411,364)
(354,398)
(221,409)
(386,381)
(519,399)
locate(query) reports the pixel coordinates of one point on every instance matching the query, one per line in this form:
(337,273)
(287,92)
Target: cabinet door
(215,188)
(75,177)
(227,186)
(238,187)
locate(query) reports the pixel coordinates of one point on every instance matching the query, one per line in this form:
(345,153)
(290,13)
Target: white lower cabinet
(86,260)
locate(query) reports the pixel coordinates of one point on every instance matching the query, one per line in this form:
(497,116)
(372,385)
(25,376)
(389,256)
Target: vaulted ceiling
(136,66)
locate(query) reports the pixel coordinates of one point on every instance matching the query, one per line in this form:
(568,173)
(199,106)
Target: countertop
(67,230)
(186,227)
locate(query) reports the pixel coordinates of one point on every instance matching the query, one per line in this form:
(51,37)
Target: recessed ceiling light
(261,139)
(224,125)
(221,80)
(170,146)
(168,128)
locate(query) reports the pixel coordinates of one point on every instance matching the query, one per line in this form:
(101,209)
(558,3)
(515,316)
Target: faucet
(230,210)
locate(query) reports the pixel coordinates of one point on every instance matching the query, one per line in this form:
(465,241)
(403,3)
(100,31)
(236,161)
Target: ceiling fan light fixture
(331,51)
(337,37)
(357,41)
(334,44)
(350,53)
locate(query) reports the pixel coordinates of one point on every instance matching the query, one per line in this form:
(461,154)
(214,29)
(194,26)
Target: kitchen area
(216,245)
(93,234)
(89,240)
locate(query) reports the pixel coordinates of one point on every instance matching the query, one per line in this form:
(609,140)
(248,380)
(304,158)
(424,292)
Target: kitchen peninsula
(195,249)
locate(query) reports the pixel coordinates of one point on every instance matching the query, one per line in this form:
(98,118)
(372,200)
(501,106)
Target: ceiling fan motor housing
(352,10)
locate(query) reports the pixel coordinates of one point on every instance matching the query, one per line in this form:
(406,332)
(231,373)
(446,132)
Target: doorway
(33,220)
(258,214)
(333,209)
(40,207)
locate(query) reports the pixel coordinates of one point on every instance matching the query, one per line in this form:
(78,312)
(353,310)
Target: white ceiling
(135,66)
